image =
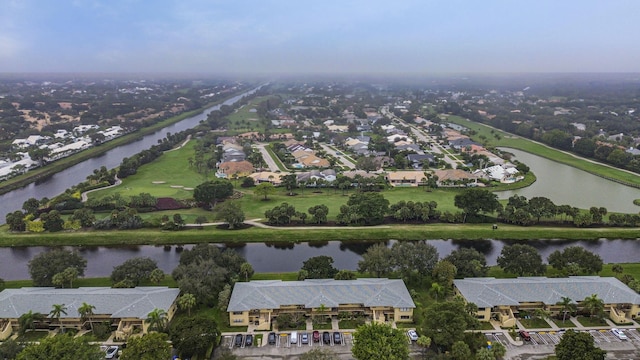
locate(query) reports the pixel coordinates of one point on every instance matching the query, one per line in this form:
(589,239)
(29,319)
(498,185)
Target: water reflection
(286,257)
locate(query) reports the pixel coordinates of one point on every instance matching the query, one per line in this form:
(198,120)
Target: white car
(413,335)
(112,352)
(619,334)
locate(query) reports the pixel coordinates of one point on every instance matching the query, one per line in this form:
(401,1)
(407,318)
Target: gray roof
(118,303)
(272,294)
(490,292)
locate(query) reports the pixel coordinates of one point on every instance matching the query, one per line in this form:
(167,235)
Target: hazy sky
(319,36)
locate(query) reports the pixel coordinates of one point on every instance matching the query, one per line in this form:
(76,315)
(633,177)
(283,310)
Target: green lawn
(244,119)
(36,335)
(566,324)
(591,321)
(534,323)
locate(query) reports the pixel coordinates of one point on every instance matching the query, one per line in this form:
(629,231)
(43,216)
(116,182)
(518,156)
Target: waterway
(566,185)
(289,257)
(59,182)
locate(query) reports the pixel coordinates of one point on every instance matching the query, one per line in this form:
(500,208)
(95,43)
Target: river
(564,184)
(59,182)
(287,258)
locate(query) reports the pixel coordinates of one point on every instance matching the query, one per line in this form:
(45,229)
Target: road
(422,135)
(271,164)
(341,158)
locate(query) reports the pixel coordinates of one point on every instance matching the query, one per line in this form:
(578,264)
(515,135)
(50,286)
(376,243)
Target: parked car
(112,352)
(248,340)
(239,340)
(618,333)
(524,335)
(337,339)
(316,336)
(271,338)
(326,337)
(304,338)
(294,337)
(413,335)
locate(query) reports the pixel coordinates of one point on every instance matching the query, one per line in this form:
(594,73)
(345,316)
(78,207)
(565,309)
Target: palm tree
(567,306)
(28,321)
(593,304)
(437,289)
(187,301)
(86,311)
(157,320)
(322,309)
(247,270)
(424,342)
(58,310)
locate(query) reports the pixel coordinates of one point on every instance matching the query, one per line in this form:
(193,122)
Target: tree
(157,320)
(151,346)
(319,354)
(86,312)
(468,262)
(281,214)
(68,276)
(414,257)
(367,208)
(231,213)
(567,307)
(156,276)
(264,189)
(446,322)
(135,269)
(472,201)
(617,268)
(379,341)
(15,221)
(85,216)
(9,349)
(424,342)
(460,351)
(212,191)
(593,304)
(376,261)
(193,336)
(31,206)
(290,182)
(578,345)
(319,267)
(575,260)
(437,289)
(223,297)
(541,207)
(522,260)
(247,270)
(57,310)
(52,221)
(443,273)
(45,265)
(345,275)
(27,321)
(187,302)
(205,269)
(319,213)
(62,347)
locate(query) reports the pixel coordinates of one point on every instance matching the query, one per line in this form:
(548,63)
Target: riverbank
(62,164)
(215,234)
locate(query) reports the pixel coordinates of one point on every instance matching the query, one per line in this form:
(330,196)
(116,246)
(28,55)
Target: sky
(319,36)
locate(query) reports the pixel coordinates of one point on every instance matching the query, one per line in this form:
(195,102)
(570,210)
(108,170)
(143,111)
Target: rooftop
(490,292)
(272,294)
(118,303)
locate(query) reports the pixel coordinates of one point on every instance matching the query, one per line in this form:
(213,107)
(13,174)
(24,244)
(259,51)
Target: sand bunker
(158,182)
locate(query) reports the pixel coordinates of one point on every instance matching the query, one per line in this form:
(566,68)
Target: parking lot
(283,340)
(552,337)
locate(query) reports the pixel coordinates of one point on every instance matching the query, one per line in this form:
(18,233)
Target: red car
(316,336)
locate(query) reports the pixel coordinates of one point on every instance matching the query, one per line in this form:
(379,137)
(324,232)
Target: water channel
(58,183)
(284,258)
(564,184)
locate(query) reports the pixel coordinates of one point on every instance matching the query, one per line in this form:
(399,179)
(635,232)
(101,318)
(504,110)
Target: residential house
(237,168)
(455,178)
(125,309)
(417,161)
(267,176)
(504,300)
(259,302)
(406,178)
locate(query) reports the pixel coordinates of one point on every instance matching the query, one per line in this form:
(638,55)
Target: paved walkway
(257,223)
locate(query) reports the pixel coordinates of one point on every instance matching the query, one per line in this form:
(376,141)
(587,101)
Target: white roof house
(116,303)
(312,293)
